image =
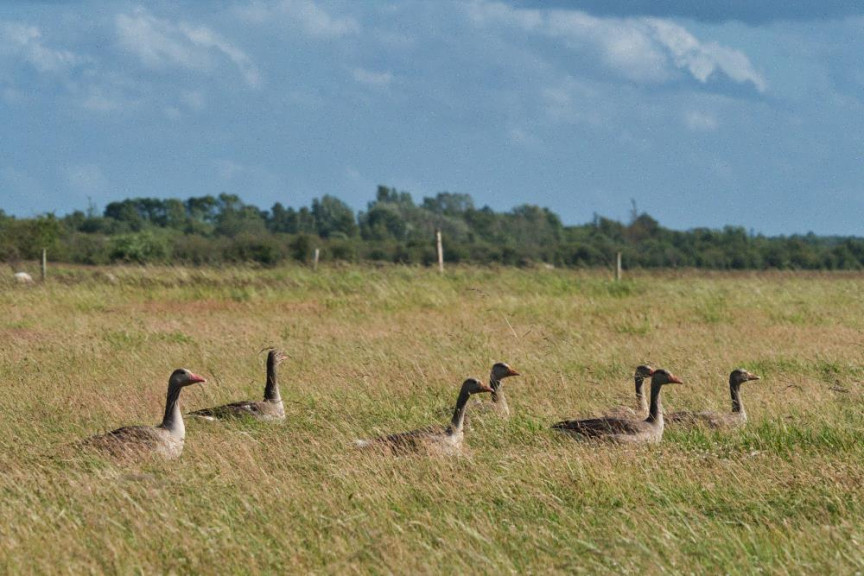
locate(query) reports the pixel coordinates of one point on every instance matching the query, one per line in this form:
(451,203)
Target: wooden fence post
(44,264)
(618,267)
(315,262)
(440,251)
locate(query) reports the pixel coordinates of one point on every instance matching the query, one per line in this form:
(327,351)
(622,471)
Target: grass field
(384,350)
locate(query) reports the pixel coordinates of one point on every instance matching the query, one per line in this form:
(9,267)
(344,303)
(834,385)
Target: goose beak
(752,377)
(485,388)
(512,372)
(674,379)
(195,379)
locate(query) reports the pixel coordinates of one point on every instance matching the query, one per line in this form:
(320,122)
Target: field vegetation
(380,350)
(223,229)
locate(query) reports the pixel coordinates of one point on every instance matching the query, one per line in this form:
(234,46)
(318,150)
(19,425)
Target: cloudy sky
(704,114)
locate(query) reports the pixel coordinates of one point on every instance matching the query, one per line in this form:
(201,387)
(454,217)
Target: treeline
(394,228)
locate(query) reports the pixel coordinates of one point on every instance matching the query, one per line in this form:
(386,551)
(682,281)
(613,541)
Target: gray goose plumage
(642,372)
(498,404)
(719,420)
(165,440)
(433,439)
(269,409)
(624,429)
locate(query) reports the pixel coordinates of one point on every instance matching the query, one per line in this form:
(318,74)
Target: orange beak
(512,373)
(195,379)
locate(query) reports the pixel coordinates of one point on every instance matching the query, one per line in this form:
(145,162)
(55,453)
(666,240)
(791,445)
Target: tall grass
(376,350)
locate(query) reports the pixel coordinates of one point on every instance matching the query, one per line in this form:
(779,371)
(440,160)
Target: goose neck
(271,389)
(497,390)
(640,394)
(173,419)
(735,392)
(655,410)
(459,413)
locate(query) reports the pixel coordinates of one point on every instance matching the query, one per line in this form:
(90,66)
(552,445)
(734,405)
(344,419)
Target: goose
(269,409)
(719,420)
(498,405)
(166,439)
(436,439)
(623,429)
(643,371)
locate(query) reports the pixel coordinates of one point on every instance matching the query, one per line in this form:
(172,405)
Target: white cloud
(204,37)
(25,42)
(484,13)
(573,101)
(370,78)
(703,60)
(194,100)
(700,121)
(647,50)
(98,101)
(161,44)
(303,14)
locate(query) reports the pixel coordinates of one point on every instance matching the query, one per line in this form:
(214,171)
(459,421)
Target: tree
(449,204)
(383,221)
(333,218)
(234,217)
(202,209)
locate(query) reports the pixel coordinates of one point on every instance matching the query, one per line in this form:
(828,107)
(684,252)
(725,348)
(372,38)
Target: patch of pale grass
(383,350)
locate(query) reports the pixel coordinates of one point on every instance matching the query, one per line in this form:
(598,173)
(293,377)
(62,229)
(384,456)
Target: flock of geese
(643,424)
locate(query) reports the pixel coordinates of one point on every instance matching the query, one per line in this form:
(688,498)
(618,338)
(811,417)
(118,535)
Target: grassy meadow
(382,350)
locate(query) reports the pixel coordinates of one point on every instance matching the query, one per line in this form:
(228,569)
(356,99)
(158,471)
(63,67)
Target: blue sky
(705,114)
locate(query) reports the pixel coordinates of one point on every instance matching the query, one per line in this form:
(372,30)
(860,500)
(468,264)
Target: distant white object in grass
(23,278)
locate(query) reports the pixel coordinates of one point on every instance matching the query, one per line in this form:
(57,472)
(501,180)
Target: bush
(140,248)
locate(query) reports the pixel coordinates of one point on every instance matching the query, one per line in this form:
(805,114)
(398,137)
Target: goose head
(274,355)
(474,386)
(183,377)
(643,371)
(661,377)
(501,370)
(740,375)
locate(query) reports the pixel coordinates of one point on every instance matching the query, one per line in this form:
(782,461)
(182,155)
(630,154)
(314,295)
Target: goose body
(641,411)
(165,440)
(625,429)
(268,409)
(434,439)
(719,420)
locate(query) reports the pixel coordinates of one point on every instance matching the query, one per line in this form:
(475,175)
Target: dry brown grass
(384,350)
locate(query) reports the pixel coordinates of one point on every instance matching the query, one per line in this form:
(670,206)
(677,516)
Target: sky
(703,114)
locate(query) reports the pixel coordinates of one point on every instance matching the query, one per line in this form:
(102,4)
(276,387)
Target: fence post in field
(618,267)
(440,251)
(44,264)
(315,262)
